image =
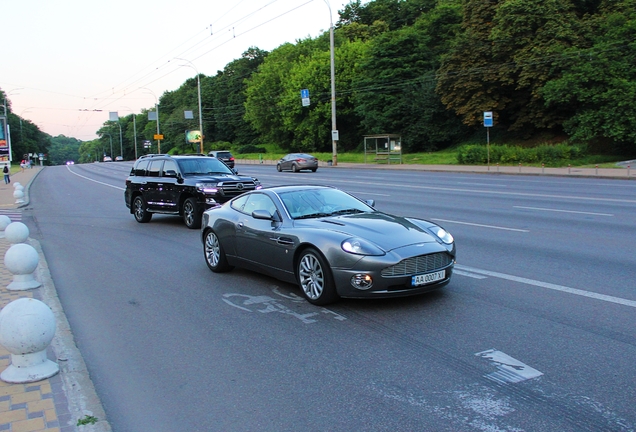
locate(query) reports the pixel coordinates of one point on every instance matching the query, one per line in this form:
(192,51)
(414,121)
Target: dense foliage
(425,69)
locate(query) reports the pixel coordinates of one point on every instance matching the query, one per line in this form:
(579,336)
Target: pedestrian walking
(7,178)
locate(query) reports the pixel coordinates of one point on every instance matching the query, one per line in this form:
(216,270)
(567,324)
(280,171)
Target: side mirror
(170,173)
(265,215)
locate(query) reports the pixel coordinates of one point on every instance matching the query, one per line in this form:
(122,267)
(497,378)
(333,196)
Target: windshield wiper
(347,211)
(313,215)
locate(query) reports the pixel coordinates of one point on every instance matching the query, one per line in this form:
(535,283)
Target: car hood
(220,177)
(384,230)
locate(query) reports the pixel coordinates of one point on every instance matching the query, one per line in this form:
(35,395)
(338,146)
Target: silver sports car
(328,242)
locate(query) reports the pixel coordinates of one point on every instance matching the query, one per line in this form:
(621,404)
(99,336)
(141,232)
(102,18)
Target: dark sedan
(328,242)
(297,162)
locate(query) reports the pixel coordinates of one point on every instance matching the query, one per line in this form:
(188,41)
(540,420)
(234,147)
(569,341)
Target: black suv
(223,155)
(181,185)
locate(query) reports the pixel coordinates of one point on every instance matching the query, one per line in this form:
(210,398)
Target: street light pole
(111,143)
(157,111)
(199,95)
(334,130)
(121,145)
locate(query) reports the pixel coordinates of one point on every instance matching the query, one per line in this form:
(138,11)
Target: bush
(250,148)
(559,154)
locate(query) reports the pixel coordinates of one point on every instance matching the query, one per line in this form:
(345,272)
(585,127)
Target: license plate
(428,278)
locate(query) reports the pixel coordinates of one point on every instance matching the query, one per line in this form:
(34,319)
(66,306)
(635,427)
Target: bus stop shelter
(384,148)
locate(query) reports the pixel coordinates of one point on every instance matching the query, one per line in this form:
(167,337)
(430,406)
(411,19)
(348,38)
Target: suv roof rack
(151,155)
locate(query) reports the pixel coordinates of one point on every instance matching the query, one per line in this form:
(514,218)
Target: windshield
(203,166)
(312,203)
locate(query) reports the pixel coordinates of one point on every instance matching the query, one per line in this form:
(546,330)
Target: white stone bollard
(18,186)
(4,223)
(21,260)
(16,232)
(19,196)
(27,327)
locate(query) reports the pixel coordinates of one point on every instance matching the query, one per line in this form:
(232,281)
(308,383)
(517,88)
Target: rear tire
(315,279)
(191,214)
(214,254)
(140,210)
(294,168)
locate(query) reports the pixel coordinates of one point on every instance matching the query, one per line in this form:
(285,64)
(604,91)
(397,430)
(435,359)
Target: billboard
(4,140)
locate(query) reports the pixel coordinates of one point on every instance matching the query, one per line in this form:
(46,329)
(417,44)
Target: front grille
(418,265)
(232,188)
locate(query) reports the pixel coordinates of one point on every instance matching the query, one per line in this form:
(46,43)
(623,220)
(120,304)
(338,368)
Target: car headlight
(208,188)
(442,234)
(358,246)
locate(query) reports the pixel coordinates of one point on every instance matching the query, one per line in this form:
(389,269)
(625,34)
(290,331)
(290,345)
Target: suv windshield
(203,166)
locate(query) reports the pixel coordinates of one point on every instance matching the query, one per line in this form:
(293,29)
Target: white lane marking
(367,193)
(510,370)
(575,291)
(472,275)
(480,225)
(484,184)
(563,211)
(90,179)
(479,191)
(534,195)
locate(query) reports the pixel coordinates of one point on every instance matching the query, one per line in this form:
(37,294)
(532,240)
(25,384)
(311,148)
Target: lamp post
(134,129)
(111,143)
(114,117)
(199,94)
(334,130)
(157,112)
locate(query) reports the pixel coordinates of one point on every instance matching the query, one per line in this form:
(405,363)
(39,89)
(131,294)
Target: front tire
(279,168)
(214,254)
(140,210)
(314,277)
(191,214)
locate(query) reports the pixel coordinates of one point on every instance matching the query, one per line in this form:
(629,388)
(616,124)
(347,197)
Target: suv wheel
(142,215)
(191,214)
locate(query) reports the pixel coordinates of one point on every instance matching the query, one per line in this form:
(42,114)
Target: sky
(66,64)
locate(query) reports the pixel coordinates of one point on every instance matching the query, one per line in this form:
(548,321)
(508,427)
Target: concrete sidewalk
(61,401)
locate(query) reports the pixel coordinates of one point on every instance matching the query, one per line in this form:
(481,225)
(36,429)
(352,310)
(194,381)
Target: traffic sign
(488,119)
(158,137)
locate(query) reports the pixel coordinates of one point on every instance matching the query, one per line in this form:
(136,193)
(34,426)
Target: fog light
(361,281)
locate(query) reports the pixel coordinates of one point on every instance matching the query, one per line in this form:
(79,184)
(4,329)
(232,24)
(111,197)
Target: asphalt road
(535,332)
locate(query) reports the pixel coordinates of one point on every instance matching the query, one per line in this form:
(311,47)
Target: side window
(259,201)
(154,168)
(140,169)
(170,168)
(239,203)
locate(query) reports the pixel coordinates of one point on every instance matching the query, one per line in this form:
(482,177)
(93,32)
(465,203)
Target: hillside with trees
(551,71)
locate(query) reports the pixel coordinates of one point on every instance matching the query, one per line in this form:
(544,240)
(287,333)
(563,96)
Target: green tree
(63,149)
(395,89)
(600,82)
(228,99)
(506,54)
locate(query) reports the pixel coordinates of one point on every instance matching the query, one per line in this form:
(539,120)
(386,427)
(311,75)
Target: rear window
(224,155)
